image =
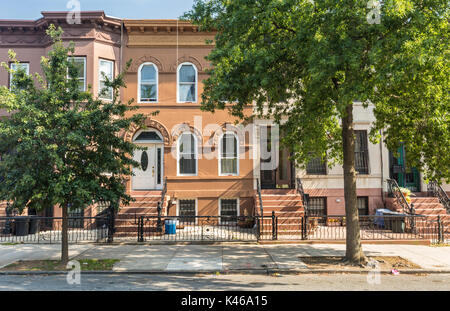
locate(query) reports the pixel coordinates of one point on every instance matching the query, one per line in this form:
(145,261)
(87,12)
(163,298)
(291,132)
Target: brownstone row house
(209,164)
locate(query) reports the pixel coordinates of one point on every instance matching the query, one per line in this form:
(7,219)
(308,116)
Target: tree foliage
(306,61)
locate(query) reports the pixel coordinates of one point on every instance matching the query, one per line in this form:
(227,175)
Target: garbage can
(171,227)
(34,224)
(21,225)
(397,223)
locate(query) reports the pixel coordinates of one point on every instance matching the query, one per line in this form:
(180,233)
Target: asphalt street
(171,282)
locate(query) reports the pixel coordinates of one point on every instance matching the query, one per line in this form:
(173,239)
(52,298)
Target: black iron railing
(304,196)
(258,189)
(198,228)
(36,229)
(436,190)
(394,191)
(161,204)
(316,166)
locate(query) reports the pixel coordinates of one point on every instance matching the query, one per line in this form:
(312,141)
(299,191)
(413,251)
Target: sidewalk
(226,258)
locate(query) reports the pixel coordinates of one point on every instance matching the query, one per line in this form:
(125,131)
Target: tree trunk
(64,236)
(354,253)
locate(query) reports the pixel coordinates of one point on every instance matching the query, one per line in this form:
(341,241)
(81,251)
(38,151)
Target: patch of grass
(10,244)
(55,265)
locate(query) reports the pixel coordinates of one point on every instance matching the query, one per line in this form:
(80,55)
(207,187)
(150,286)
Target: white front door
(149,175)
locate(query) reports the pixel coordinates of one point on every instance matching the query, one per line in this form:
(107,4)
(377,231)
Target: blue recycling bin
(171,227)
(379,219)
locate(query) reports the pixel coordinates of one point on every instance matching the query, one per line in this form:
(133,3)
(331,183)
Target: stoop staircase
(432,206)
(2,209)
(287,206)
(146,204)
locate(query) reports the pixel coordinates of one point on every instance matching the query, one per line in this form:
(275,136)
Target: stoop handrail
(258,188)
(439,192)
(303,195)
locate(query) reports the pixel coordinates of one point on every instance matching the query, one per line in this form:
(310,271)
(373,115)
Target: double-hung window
(15,67)
(148,83)
(80,64)
(228,155)
(187,154)
(187,83)
(361,152)
(106,69)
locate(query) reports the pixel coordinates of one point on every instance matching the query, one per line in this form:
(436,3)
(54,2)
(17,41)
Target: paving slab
(12,253)
(108,252)
(147,258)
(287,256)
(196,258)
(246,257)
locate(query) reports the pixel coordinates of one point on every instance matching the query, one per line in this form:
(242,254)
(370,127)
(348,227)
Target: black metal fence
(256,228)
(35,229)
(403,227)
(197,228)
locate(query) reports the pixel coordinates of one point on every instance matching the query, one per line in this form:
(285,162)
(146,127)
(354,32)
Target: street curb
(227,272)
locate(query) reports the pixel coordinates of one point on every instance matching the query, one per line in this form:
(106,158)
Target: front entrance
(150,173)
(276,168)
(405,177)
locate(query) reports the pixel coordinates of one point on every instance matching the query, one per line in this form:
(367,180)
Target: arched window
(148,83)
(187,155)
(187,83)
(228,154)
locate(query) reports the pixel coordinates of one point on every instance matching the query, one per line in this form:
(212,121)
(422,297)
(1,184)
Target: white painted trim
(220,154)
(11,76)
(85,69)
(178,83)
(238,207)
(139,83)
(195,153)
(100,76)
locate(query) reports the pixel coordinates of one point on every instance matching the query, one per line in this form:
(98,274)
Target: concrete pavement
(222,257)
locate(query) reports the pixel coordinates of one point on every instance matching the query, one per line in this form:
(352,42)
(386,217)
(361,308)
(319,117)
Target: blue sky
(151,9)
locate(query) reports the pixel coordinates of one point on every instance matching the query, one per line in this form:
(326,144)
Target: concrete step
(281,202)
(428,206)
(424,200)
(278,191)
(422,211)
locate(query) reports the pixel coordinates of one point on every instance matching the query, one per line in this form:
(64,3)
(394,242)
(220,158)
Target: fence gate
(203,228)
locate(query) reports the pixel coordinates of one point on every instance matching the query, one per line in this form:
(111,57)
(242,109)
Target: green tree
(61,146)
(308,61)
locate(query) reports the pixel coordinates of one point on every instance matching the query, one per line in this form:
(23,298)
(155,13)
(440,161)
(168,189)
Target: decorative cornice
(146,59)
(95,25)
(149,123)
(187,59)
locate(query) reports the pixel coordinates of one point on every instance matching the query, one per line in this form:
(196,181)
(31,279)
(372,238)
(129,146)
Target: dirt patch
(337,263)
(55,265)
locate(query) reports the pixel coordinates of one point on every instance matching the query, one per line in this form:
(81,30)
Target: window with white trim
(187,154)
(148,83)
(229,210)
(228,154)
(15,67)
(105,69)
(80,64)
(187,83)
